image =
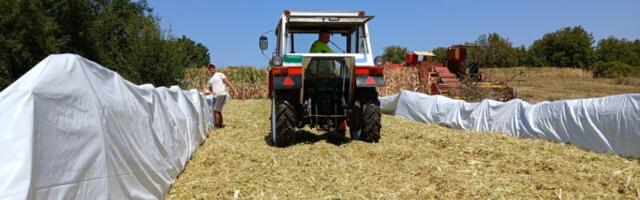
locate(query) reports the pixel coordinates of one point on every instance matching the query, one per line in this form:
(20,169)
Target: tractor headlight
(379,61)
(276,60)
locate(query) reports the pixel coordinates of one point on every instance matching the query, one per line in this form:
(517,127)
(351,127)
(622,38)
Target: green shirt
(320,47)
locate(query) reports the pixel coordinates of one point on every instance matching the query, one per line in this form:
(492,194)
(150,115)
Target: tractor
(325,91)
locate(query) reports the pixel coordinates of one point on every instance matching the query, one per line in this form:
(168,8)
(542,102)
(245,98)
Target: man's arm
(233,89)
(210,89)
(326,48)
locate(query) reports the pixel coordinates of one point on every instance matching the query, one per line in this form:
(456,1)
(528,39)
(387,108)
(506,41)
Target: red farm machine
(457,78)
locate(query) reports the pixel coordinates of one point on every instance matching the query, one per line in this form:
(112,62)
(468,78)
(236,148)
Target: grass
(412,161)
(548,83)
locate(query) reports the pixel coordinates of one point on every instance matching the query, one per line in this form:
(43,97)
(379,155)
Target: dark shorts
(218,103)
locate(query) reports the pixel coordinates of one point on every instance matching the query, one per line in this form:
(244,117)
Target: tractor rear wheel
(371,122)
(282,124)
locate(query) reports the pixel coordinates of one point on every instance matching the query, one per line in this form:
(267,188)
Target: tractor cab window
(345,36)
(350,42)
(302,42)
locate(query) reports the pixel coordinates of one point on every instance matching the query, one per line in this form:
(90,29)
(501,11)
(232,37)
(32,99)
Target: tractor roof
(316,13)
(332,21)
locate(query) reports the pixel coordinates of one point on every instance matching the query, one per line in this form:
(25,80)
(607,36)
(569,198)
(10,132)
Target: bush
(395,54)
(614,69)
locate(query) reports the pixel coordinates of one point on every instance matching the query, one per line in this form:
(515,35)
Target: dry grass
(632,81)
(412,161)
(548,83)
(506,73)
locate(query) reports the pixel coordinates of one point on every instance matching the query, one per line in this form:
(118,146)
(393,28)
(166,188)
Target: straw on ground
(412,160)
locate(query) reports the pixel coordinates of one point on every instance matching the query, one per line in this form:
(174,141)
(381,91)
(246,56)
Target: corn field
(250,82)
(402,78)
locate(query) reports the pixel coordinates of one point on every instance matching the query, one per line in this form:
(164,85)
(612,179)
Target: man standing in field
(217,89)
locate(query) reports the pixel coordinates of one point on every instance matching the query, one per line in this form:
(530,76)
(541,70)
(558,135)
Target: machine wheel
(364,123)
(355,122)
(371,122)
(282,124)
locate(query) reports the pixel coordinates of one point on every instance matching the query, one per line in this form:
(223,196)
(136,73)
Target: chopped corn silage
(412,160)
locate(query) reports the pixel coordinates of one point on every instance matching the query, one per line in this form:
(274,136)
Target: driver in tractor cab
(321,69)
(320,45)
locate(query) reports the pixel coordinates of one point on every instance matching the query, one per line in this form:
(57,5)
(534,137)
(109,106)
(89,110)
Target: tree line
(566,47)
(122,35)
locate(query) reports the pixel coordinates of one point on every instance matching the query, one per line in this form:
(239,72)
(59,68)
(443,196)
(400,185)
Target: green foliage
(636,47)
(567,47)
(73,19)
(613,49)
(190,53)
(441,54)
(495,51)
(119,34)
(617,58)
(25,39)
(522,55)
(395,54)
(615,69)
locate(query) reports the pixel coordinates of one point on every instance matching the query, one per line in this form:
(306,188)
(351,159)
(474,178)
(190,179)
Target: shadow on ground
(307,137)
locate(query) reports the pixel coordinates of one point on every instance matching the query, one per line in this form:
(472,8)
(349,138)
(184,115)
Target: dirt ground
(549,84)
(412,161)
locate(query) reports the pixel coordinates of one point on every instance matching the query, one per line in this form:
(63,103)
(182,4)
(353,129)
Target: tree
(74,19)
(613,49)
(636,46)
(25,39)
(495,51)
(119,34)
(522,55)
(395,54)
(190,53)
(441,54)
(128,38)
(567,47)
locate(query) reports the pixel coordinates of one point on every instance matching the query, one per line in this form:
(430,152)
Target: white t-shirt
(217,85)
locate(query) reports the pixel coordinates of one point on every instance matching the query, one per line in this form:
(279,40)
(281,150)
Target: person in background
(217,89)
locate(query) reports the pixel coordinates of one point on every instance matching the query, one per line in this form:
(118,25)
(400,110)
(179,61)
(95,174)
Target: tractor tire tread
(371,122)
(285,125)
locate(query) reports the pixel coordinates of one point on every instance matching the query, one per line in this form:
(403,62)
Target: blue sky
(230,29)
